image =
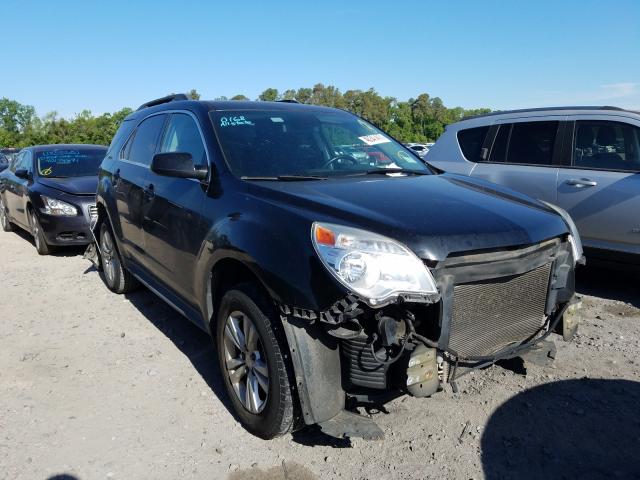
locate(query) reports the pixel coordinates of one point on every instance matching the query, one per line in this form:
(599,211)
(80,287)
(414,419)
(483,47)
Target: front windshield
(59,163)
(274,143)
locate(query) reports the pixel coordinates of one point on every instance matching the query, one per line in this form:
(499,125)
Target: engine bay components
(422,374)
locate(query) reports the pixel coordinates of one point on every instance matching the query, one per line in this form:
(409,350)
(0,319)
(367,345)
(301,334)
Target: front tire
(115,276)
(250,353)
(42,247)
(6,224)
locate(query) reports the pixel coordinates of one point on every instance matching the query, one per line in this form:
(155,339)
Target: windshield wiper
(285,178)
(384,171)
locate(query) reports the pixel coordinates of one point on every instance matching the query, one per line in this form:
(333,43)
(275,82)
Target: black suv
(331,266)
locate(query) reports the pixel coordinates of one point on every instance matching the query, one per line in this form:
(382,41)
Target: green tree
(416,120)
(15,118)
(193,94)
(269,95)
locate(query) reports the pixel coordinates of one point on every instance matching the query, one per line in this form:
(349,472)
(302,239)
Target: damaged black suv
(331,265)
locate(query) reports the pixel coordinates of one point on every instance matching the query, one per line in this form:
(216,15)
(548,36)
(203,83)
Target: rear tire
(6,224)
(115,276)
(250,347)
(42,247)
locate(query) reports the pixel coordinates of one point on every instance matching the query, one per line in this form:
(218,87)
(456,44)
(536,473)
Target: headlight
(377,268)
(574,237)
(58,207)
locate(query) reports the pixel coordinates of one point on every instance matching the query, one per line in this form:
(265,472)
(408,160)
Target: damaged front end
(488,306)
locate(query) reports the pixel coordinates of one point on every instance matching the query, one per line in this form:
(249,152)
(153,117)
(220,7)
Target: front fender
(279,253)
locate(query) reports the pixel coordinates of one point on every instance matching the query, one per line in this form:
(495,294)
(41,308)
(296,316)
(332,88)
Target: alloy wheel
(108,257)
(35,230)
(245,362)
(3,214)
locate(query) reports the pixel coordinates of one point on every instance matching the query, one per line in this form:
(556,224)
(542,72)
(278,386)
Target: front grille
(488,316)
(93,211)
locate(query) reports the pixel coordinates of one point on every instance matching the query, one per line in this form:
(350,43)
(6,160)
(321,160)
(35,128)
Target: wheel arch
(224,274)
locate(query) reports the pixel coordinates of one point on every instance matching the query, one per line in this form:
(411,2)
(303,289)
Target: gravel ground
(94,385)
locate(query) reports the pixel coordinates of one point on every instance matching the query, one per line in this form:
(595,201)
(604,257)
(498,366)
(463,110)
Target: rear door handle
(581,182)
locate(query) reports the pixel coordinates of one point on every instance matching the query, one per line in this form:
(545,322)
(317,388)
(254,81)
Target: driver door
(173,228)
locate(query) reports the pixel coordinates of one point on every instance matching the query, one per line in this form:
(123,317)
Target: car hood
(434,215)
(72,185)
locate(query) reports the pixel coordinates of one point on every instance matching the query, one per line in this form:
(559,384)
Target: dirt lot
(94,386)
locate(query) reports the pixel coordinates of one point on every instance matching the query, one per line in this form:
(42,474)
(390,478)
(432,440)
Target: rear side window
(471,141)
(606,146)
(142,145)
(499,149)
(532,143)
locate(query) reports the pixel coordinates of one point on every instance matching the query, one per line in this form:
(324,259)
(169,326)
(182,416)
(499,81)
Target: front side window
(141,147)
(182,135)
(471,141)
(14,165)
(69,162)
(264,143)
(531,143)
(607,146)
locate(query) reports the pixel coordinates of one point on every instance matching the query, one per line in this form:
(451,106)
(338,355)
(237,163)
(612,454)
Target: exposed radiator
(488,316)
(359,367)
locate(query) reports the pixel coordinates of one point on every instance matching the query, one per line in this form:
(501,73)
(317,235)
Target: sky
(71,55)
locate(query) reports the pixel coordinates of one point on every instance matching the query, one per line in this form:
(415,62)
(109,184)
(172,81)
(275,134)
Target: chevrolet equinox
(332,267)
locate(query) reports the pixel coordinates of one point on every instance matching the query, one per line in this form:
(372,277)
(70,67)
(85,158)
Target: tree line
(420,119)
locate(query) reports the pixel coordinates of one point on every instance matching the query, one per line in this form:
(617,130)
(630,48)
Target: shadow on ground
(587,429)
(72,251)
(608,283)
(197,346)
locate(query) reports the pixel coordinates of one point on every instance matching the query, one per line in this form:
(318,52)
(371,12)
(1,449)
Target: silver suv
(583,159)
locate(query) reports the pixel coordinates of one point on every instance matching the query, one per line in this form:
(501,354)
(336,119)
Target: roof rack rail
(543,109)
(288,100)
(169,98)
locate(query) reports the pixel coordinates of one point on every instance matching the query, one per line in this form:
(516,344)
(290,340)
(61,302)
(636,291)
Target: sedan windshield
(307,144)
(61,163)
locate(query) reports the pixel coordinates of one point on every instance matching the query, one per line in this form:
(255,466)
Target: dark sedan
(49,190)
(4,162)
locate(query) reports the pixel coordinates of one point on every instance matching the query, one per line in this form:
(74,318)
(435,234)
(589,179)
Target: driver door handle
(581,182)
(149,191)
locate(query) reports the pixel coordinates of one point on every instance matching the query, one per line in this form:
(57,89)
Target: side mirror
(177,164)
(23,173)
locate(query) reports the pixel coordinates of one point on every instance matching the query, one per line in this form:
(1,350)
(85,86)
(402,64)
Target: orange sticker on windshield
(374,139)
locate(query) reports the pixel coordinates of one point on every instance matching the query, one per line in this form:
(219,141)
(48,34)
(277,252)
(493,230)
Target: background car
(420,149)
(49,190)
(583,159)
(9,152)
(4,162)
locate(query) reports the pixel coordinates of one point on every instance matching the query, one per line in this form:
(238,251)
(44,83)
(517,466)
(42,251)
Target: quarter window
(142,145)
(182,135)
(471,141)
(606,145)
(531,143)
